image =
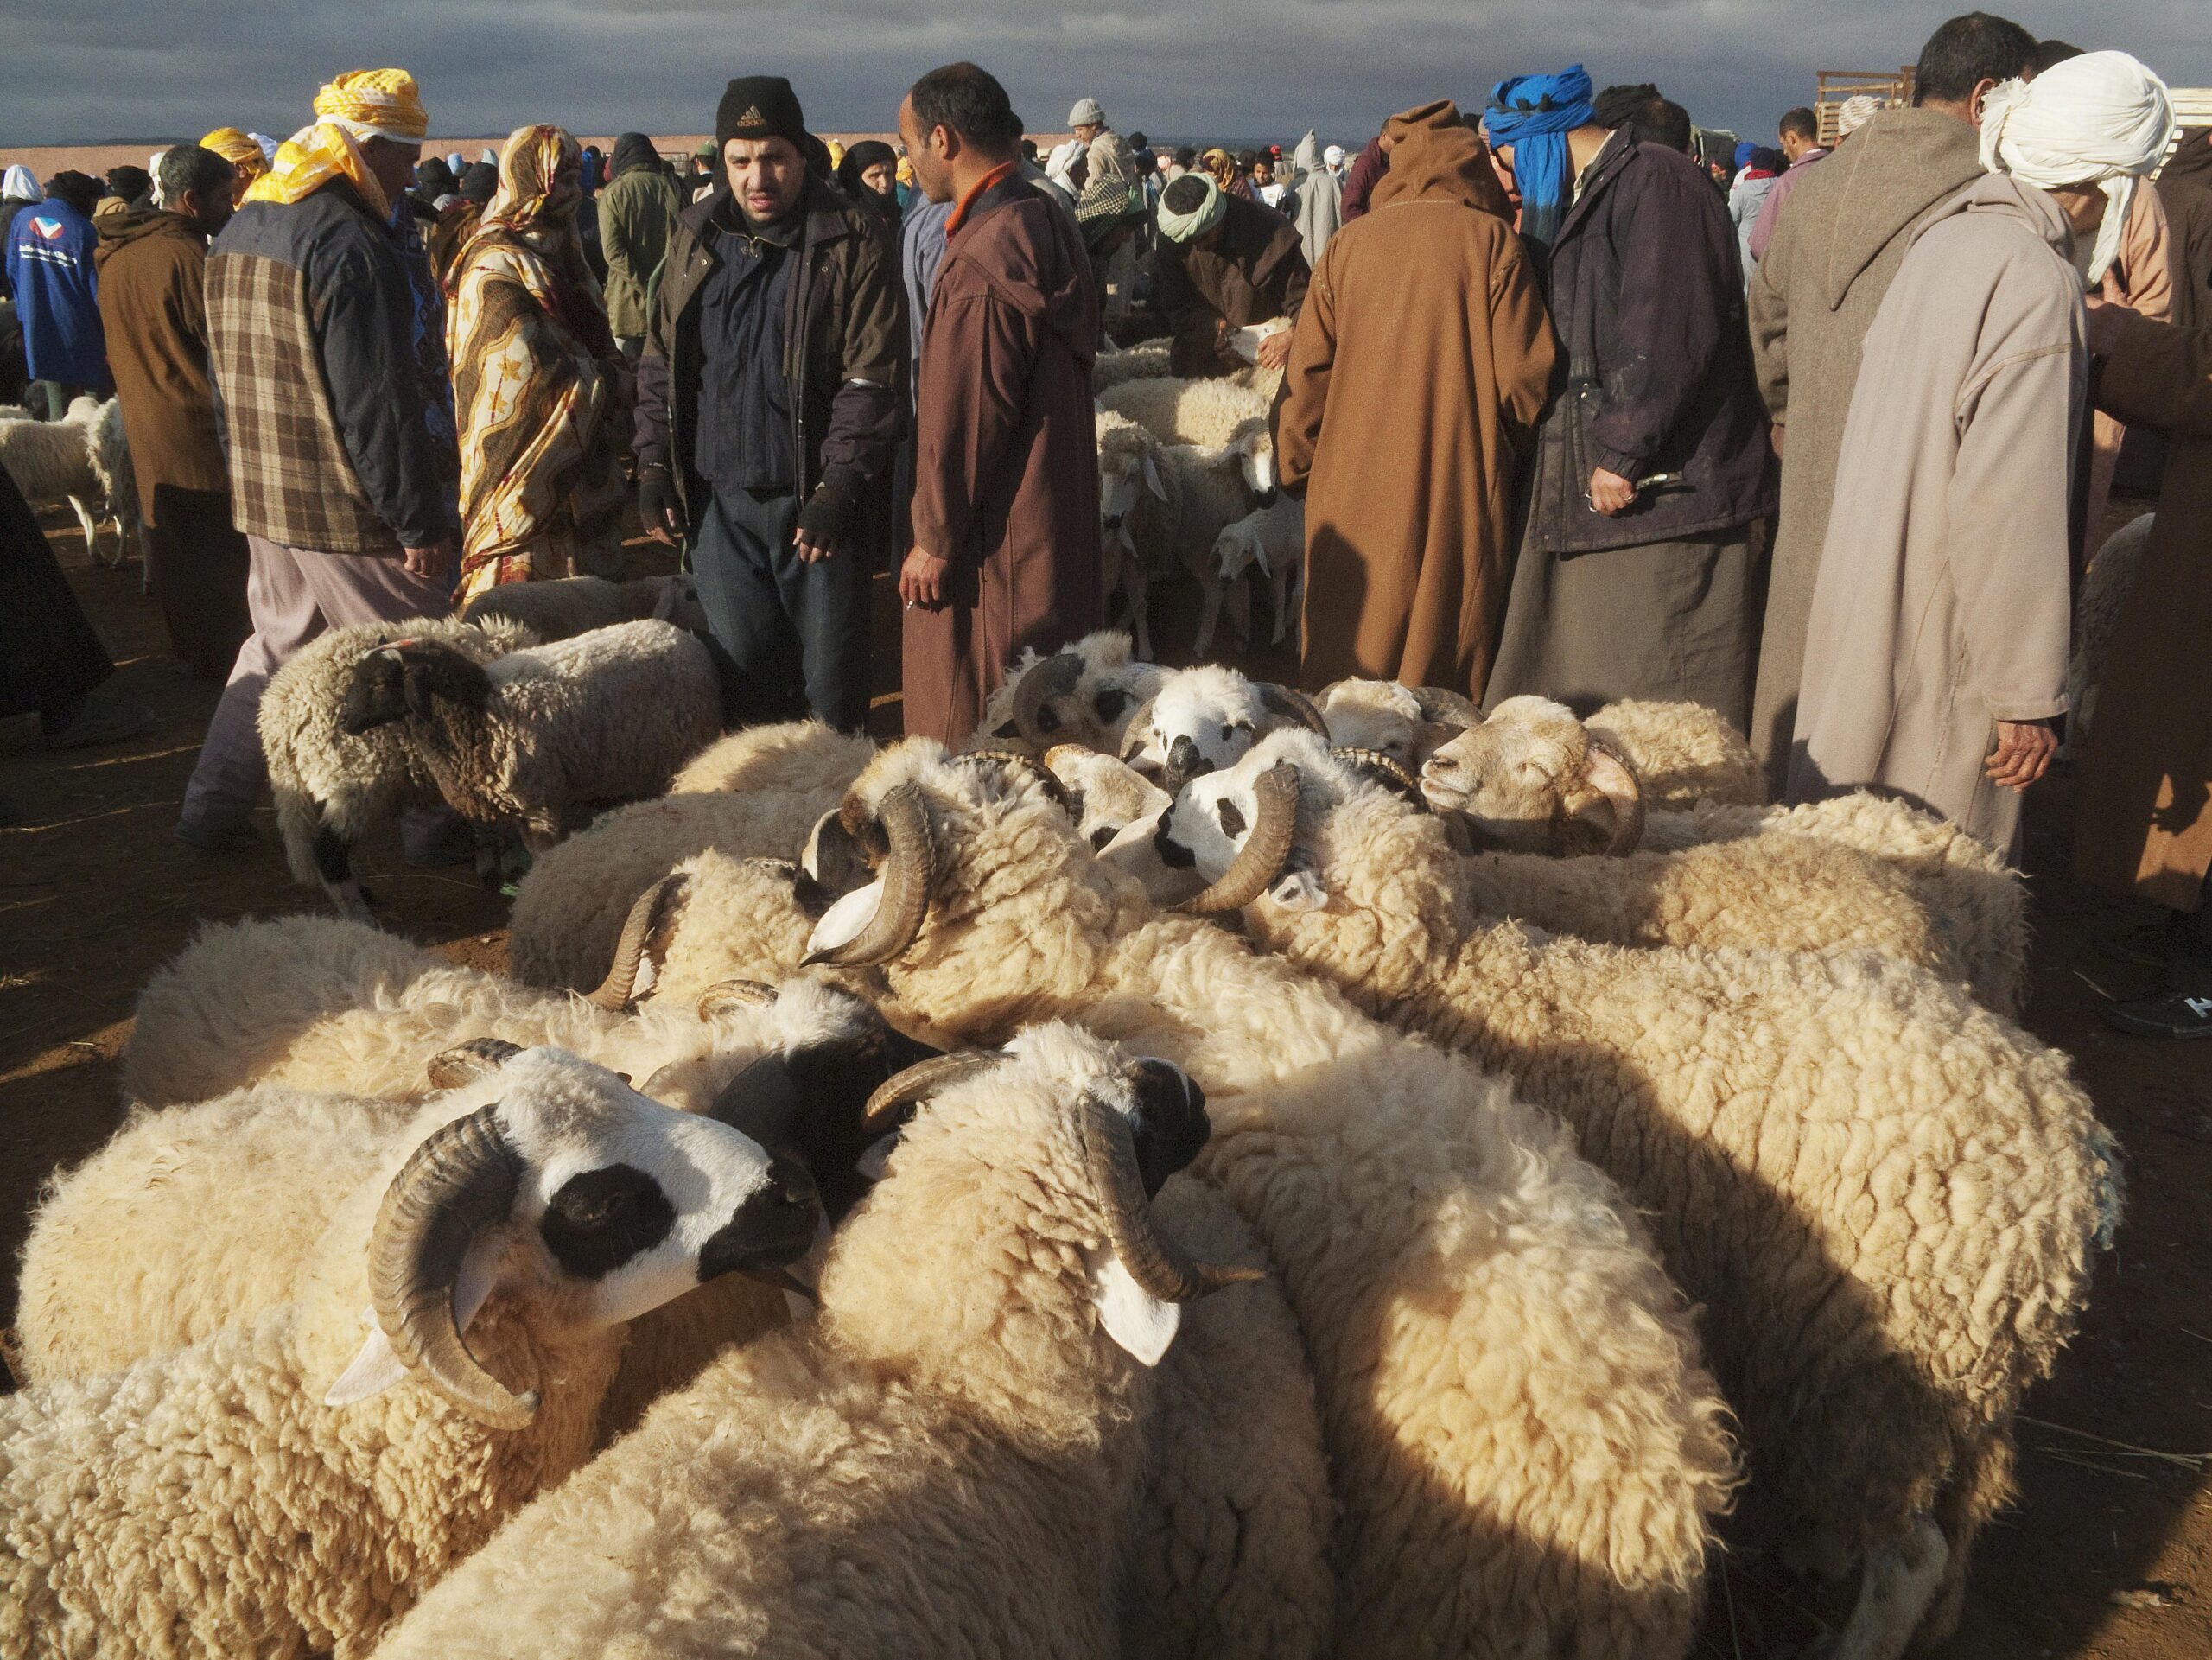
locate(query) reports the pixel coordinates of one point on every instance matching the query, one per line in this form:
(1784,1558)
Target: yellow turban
(239,149)
(375,103)
(836,152)
(360,104)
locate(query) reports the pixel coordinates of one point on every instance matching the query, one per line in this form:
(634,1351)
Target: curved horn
(1055,677)
(1445,708)
(1156,1262)
(459,1182)
(908,872)
(1390,774)
(1613,773)
(645,914)
(1138,732)
(1259,861)
(1290,705)
(725,995)
(921,1081)
(467,1062)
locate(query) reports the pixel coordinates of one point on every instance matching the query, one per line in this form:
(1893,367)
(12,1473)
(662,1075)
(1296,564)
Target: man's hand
(810,551)
(1275,351)
(2107,323)
(428,563)
(1609,493)
(2022,752)
(1774,437)
(657,509)
(921,579)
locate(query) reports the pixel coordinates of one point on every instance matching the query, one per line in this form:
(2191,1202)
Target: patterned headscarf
(1222,166)
(360,104)
(541,183)
(240,151)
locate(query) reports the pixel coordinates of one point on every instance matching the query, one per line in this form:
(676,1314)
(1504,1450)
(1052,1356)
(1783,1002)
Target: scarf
(2102,118)
(240,151)
(1534,113)
(1222,168)
(1210,211)
(360,104)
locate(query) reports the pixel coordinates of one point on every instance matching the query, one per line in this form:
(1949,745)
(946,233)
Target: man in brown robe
(1813,296)
(1225,263)
(152,265)
(2144,821)
(1005,551)
(1417,374)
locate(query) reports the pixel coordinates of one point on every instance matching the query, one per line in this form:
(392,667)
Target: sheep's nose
(773,1224)
(1112,521)
(1267,497)
(1184,764)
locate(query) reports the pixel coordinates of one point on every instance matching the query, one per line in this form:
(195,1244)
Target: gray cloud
(81,71)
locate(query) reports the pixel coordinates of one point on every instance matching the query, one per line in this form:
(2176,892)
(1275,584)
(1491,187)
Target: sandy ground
(2108,1554)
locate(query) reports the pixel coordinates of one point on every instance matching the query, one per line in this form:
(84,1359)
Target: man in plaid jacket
(333,476)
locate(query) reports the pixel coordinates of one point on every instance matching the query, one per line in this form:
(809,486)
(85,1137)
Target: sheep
(1683,754)
(256,1492)
(1145,359)
(1540,782)
(80,457)
(756,792)
(537,736)
(1404,722)
(962,1433)
(1526,1447)
(566,607)
(1274,539)
(1104,795)
(1207,413)
(1887,1199)
(332,786)
(2104,587)
(1083,694)
(1205,717)
(1128,466)
(1192,494)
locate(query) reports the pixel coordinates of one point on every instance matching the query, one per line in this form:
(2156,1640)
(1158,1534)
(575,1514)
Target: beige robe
(1942,605)
(1813,297)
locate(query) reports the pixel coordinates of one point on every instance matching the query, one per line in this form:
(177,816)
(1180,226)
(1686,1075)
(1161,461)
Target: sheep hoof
(1900,1580)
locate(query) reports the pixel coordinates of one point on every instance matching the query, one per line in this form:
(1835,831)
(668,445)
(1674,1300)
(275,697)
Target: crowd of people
(1817,435)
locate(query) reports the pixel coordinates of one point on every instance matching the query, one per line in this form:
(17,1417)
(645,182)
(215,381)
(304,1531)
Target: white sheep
(1129,466)
(1082,694)
(1104,795)
(1205,717)
(754,794)
(1534,779)
(2097,608)
(1886,1198)
(1191,493)
(1522,1438)
(1404,722)
(540,736)
(961,1435)
(566,607)
(1683,754)
(1208,413)
(1273,539)
(1145,359)
(284,1486)
(333,786)
(80,458)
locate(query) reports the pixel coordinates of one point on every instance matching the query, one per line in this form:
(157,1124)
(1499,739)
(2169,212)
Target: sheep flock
(1209,1168)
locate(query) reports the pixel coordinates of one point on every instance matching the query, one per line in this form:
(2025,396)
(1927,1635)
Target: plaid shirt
(311,346)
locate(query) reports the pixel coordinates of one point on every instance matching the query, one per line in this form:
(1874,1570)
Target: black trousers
(197,562)
(49,655)
(797,633)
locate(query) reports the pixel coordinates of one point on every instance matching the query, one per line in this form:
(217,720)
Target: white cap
(1086,113)
(1334,155)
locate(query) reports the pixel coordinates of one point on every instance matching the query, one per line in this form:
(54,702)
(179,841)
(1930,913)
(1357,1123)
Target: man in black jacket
(770,404)
(1642,570)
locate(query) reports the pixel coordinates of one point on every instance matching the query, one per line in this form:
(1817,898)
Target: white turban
(1333,156)
(1064,156)
(2102,118)
(1858,109)
(1212,208)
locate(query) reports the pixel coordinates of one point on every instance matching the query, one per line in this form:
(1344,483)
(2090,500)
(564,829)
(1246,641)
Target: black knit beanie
(759,106)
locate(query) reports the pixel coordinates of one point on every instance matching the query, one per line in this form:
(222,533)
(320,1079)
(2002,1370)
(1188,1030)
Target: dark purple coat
(1647,296)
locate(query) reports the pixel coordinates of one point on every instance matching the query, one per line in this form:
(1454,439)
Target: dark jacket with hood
(1256,271)
(636,216)
(1646,294)
(844,352)
(1005,469)
(152,304)
(2185,192)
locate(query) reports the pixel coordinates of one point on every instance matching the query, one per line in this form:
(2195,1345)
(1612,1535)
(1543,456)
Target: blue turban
(1534,113)
(1745,151)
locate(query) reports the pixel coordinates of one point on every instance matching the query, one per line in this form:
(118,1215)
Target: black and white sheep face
(1201,720)
(1107,795)
(1210,821)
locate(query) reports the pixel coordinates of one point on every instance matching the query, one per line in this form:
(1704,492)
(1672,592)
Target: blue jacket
(57,295)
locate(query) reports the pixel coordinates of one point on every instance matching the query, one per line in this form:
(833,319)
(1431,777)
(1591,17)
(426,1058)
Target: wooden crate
(1892,86)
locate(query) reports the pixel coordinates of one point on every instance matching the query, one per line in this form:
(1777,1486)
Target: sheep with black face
(284,1485)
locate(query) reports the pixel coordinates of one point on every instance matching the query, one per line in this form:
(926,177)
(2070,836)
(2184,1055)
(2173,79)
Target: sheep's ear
(1142,1323)
(1299,890)
(375,1368)
(1260,557)
(845,921)
(1151,479)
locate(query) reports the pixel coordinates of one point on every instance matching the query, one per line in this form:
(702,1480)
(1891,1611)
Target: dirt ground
(2108,1552)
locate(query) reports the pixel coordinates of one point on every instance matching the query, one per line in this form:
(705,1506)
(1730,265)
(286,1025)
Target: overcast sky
(85,71)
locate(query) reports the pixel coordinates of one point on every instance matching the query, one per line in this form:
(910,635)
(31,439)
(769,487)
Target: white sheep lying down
(1522,1439)
(283,1486)
(1887,1199)
(562,607)
(945,1462)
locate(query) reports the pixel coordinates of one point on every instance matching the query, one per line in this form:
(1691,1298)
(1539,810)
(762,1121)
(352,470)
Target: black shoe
(2186,1012)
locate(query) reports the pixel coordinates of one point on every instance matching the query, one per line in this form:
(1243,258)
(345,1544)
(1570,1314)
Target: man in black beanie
(770,400)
